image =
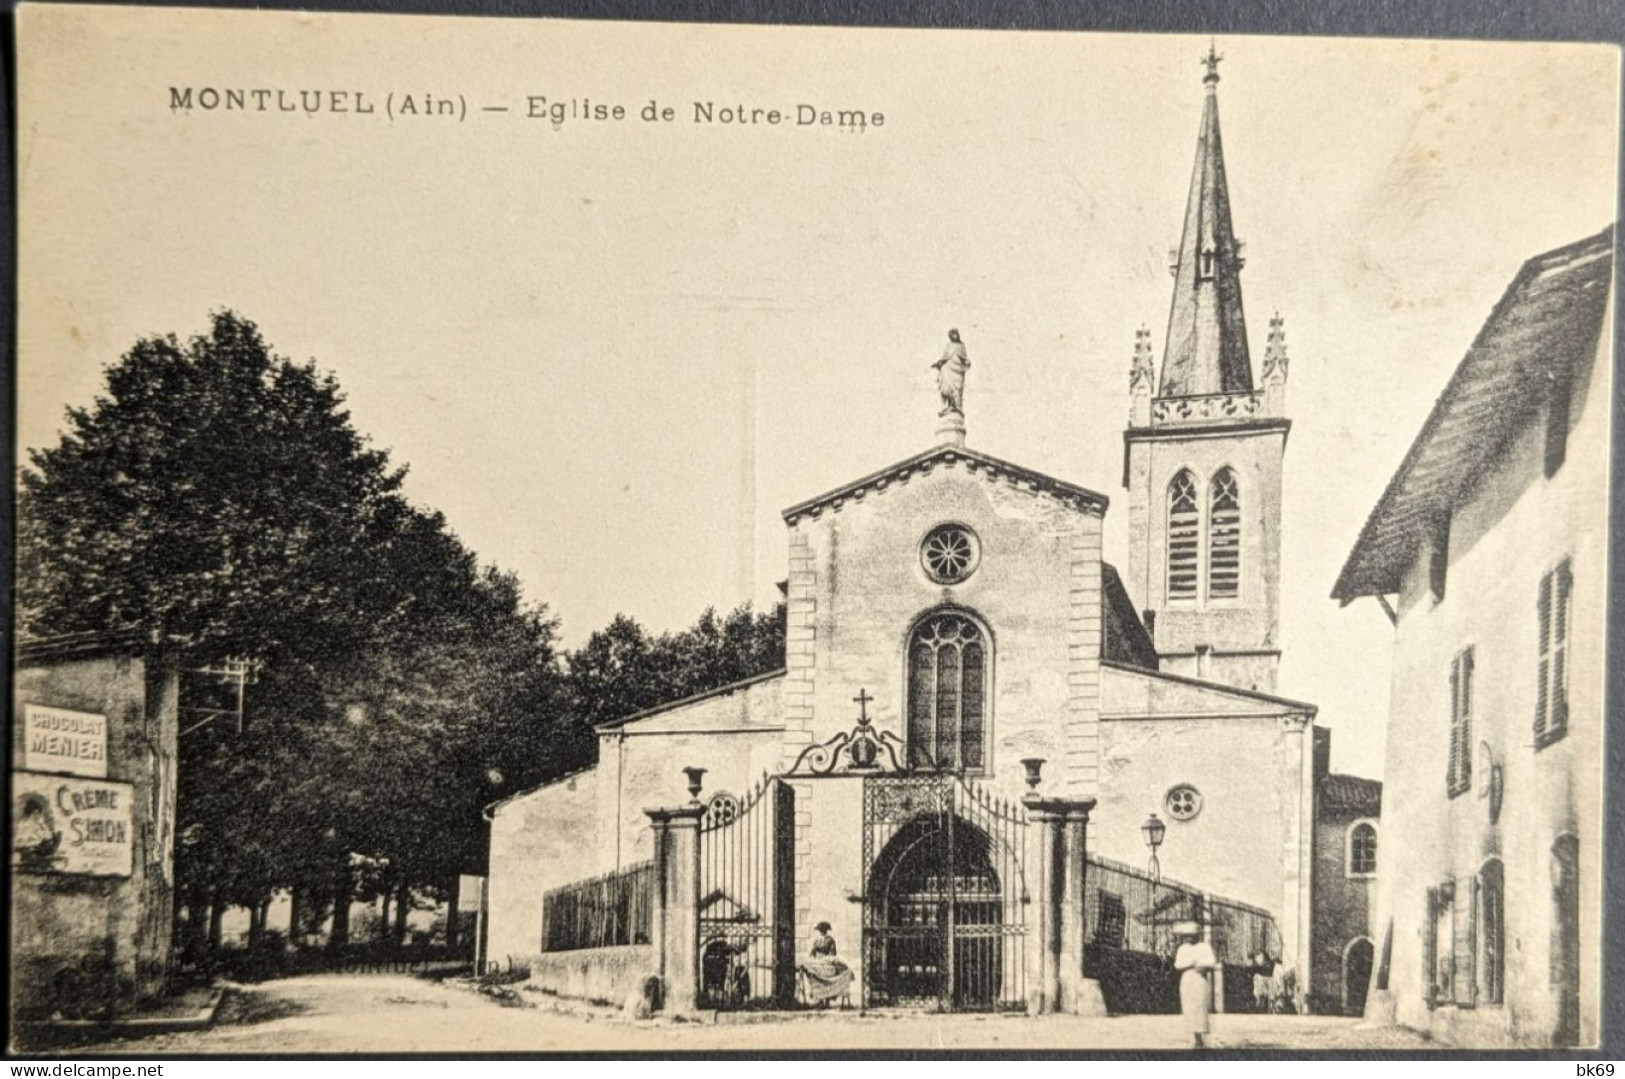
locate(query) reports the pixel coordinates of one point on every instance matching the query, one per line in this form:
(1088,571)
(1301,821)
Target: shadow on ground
(248,1007)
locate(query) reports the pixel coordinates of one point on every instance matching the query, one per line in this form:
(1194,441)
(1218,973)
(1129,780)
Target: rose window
(1184,802)
(722,808)
(950,553)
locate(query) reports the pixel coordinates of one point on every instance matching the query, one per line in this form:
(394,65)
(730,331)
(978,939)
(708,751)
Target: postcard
(533,533)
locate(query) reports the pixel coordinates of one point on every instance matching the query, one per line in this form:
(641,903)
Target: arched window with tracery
(1224,536)
(1184,525)
(947,693)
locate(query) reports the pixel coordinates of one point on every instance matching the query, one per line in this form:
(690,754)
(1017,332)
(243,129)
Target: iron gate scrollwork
(945,896)
(747,898)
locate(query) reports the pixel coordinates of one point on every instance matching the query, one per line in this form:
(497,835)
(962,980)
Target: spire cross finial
(1211,61)
(862,701)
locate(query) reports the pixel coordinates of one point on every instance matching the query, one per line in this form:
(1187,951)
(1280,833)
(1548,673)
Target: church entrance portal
(945,910)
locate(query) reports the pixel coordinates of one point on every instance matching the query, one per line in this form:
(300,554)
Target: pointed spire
(1206,351)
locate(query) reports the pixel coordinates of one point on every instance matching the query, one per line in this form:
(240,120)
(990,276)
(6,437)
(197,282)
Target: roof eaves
(975,460)
(1301,707)
(491,809)
(693,698)
(1354,580)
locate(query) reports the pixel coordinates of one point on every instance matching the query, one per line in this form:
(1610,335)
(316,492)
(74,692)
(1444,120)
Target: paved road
(400,1013)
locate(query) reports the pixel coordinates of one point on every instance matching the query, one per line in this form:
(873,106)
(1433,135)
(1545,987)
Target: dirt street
(400,1013)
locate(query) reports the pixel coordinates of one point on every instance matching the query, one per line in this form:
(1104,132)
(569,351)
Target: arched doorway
(939,901)
(1358,959)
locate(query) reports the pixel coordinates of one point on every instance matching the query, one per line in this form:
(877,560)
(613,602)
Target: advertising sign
(73,826)
(60,740)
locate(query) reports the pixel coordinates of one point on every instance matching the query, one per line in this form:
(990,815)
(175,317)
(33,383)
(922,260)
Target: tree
(218,497)
(622,670)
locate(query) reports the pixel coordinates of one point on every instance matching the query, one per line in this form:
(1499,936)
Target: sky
(612,351)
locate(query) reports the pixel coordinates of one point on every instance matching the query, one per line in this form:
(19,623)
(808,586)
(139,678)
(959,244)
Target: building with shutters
(1489,550)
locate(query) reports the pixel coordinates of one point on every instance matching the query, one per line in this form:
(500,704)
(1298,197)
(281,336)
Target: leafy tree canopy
(217,496)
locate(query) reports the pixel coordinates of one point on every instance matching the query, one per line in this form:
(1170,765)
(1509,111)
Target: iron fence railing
(1130,909)
(601,912)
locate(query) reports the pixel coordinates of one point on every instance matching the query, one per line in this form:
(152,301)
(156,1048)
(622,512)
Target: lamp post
(1154,829)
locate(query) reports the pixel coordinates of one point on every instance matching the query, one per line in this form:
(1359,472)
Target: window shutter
(1464,926)
(1430,949)
(1543,615)
(1455,727)
(1460,771)
(1464,776)
(1559,692)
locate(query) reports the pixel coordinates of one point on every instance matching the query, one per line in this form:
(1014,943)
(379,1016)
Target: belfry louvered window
(947,694)
(1224,537)
(1184,536)
(1552,690)
(1459,774)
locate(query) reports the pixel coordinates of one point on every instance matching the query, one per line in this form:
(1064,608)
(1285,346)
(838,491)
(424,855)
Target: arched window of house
(1362,849)
(1492,928)
(947,693)
(1184,525)
(1224,536)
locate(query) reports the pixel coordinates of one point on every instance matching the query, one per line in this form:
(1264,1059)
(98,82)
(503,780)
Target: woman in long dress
(826,977)
(1195,960)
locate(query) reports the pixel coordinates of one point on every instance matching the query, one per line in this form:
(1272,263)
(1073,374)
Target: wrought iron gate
(747,898)
(945,897)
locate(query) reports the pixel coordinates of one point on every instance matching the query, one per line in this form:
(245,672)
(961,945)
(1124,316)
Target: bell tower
(1203,452)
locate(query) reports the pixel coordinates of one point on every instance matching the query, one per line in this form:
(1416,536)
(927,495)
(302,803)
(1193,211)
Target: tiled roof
(1338,791)
(81,645)
(1547,324)
(1124,639)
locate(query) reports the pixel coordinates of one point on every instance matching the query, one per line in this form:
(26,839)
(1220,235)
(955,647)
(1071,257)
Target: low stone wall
(601,974)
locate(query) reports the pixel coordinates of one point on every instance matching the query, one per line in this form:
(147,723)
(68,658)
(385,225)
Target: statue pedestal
(951,429)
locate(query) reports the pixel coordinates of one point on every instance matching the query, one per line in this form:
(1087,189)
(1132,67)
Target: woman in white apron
(1195,961)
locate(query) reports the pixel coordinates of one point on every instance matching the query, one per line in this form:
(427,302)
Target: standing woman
(1195,960)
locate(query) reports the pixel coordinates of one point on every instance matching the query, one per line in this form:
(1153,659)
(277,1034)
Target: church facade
(973,702)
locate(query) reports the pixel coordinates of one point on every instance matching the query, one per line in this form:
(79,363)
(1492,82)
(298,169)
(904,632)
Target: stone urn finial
(1035,768)
(694,782)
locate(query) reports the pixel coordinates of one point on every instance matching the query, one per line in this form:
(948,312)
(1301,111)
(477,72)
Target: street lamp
(1153,830)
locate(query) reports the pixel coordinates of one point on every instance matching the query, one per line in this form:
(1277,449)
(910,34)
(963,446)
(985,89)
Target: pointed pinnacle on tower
(1142,379)
(1142,374)
(1275,365)
(1275,358)
(1206,351)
